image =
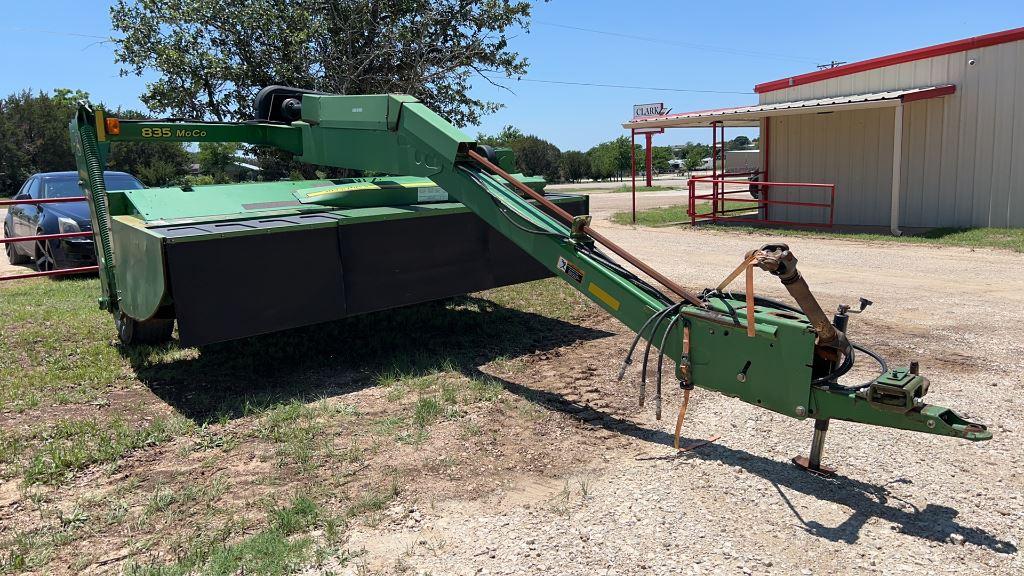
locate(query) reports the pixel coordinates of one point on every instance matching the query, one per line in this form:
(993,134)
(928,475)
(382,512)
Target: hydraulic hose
(636,339)
(647,350)
(661,360)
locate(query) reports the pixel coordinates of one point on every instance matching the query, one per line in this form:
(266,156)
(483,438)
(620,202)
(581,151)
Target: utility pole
(831,64)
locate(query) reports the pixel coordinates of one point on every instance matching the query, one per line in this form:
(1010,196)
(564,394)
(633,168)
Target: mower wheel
(132,332)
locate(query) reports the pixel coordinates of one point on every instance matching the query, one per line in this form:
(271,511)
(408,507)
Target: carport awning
(752,115)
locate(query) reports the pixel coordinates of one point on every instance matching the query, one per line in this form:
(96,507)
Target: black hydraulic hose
(882,365)
(661,360)
(636,339)
(647,351)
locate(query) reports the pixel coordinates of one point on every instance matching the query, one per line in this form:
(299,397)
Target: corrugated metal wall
(963,155)
(852,149)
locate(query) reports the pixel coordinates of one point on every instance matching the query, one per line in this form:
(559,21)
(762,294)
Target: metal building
(926,138)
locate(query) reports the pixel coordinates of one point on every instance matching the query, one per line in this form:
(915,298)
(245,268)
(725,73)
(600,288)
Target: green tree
(534,155)
(604,161)
(660,155)
(504,138)
(210,57)
(695,158)
(575,166)
(737,143)
(34,138)
(34,135)
(155,163)
(216,159)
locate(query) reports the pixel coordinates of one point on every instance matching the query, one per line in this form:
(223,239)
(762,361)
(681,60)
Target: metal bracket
(576,229)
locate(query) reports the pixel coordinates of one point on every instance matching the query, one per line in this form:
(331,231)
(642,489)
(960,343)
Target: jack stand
(813,463)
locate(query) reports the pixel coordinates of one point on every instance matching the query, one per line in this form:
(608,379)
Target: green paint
(398,135)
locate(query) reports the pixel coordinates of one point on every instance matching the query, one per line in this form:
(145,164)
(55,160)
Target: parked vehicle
(65,217)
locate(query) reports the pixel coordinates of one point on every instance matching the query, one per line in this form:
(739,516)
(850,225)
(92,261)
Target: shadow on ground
(933,522)
(226,381)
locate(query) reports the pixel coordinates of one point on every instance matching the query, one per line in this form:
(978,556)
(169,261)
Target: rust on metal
(804,463)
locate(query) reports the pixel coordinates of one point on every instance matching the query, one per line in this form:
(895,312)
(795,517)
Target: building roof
(900,58)
(751,115)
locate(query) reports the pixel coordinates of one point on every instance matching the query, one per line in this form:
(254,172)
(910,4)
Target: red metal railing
(46,238)
(719,195)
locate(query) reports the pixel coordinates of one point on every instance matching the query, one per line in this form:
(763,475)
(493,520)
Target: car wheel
(44,255)
(13,256)
(133,332)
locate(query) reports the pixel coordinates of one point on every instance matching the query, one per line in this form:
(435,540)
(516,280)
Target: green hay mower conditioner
(231,261)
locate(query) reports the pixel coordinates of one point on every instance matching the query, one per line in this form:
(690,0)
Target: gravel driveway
(903,503)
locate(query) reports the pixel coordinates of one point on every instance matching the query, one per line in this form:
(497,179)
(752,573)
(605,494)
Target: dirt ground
(903,502)
(575,479)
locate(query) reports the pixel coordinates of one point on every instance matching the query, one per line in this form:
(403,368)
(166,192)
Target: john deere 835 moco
(235,260)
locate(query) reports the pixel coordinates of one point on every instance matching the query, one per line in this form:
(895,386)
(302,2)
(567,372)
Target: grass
(56,344)
(283,547)
(668,215)
(1004,238)
(52,453)
(263,392)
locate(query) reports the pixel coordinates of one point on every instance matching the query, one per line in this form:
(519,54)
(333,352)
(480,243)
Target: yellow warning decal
(101,129)
(603,296)
(355,186)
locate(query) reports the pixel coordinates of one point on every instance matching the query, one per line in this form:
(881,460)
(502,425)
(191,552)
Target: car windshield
(68,187)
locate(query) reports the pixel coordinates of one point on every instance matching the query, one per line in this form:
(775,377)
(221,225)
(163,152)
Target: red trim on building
(900,58)
(930,93)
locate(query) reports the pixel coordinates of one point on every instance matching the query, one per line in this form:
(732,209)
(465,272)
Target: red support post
(766,174)
(648,159)
(632,157)
(692,206)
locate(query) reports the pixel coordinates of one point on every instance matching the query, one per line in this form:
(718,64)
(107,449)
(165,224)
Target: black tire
(45,261)
(13,256)
(132,332)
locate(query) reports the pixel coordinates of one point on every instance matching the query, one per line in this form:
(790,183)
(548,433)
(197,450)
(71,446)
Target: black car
(59,218)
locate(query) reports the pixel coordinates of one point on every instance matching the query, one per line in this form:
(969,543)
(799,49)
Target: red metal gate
(47,238)
(719,194)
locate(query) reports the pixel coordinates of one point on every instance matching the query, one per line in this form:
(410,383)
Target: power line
(708,47)
(598,85)
(58,33)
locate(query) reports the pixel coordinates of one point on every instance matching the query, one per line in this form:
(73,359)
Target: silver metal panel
(751,115)
(963,154)
(851,149)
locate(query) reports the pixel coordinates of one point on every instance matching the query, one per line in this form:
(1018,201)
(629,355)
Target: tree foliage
(216,159)
(660,155)
(613,159)
(575,166)
(212,56)
(534,155)
(738,143)
(34,138)
(155,163)
(695,158)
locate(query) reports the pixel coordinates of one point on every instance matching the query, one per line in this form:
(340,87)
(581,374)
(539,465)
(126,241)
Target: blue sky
(728,47)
